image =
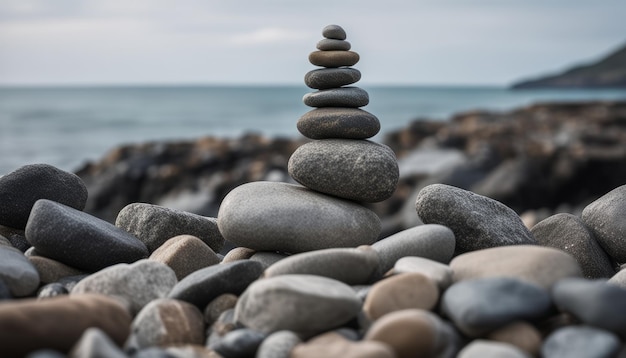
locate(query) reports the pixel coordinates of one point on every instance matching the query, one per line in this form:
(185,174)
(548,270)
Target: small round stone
(334,32)
(326,78)
(580,342)
(344,97)
(520,334)
(333,122)
(219,305)
(240,343)
(185,254)
(52,290)
(94,343)
(441,274)
(278,345)
(333,45)
(481,348)
(19,275)
(333,59)
(333,344)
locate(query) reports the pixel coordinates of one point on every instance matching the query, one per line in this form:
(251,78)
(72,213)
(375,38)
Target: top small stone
(334,32)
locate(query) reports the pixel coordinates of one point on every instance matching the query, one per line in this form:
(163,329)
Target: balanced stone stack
(339,169)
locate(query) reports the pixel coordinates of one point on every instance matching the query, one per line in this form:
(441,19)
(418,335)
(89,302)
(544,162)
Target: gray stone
(333,59)
(271,216)
(52,290)
(155,224)
(165,322)
(185,254)
(137,283)
(95,344)
(594,302)
(333,122)
(219,305)
(5,292)
(580,342)
(51,270)
(46,353)
(619,279)
(478,222)
(78,239)
(204,285)
(333,45)
(278,345)
(334,32)
(482,305)
(482,348)
(325,78)
(19,275)
(153,352)
(350,266)
(304,304)
(20,189)
(350,97)
(358,170)
(605,218)
(568,233)
(441,274)
(15,237)
(240,343)
(432,241)
(267,258)
(238,253)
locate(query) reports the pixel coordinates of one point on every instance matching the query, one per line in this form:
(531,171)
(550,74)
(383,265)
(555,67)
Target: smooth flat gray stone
(333,59)
(351,97)
(605,218)
(580,342)
(482,348)
(325,78)
(278,345)
(333,45)
(332,122)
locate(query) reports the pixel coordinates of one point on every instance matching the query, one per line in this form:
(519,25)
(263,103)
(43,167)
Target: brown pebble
(335,345)
(238,253)
(51,270)
(521,334)
(185,254)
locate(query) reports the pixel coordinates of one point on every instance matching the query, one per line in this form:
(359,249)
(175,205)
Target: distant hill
(609,72)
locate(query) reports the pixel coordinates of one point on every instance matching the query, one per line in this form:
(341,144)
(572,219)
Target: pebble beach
(304,268)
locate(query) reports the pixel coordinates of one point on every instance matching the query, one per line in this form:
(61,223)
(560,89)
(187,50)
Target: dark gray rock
(568,233)
(331,122)
(350,97)
(20,189)
(19,275)
(96,344)
(334,32)
(78,239)
(479,306)
(52,290)
(605,218)
(5,292)
(595,302)
(154,225)
(325,78)
(435,242)
(478,222)
(15,237)
(580,342)
(482,348)
(240,343)
(333,59)
(202,286)
(270,216)
(358,170)
(333,45)
(278,345)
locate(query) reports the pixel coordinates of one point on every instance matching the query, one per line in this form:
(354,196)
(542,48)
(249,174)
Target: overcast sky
(492,42)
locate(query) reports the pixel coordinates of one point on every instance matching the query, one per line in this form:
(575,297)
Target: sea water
(68,126)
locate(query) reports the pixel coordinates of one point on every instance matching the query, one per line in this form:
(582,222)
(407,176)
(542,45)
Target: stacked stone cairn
(308,277)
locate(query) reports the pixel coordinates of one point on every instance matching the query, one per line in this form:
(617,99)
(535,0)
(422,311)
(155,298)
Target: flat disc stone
(334,32)
(334,122)
(325,78)
(333,45)
(273,216)
(352,97)
(352,169)
(334,58)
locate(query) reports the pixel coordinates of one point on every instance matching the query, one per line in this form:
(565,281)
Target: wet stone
(345,97)
(331,122)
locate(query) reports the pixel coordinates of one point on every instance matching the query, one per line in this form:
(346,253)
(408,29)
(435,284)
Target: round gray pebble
(326,78)
(481,348)
(18,274)
(580,342)
(346,97)
(333,45)
(240,343)
(334,32)
(278,345)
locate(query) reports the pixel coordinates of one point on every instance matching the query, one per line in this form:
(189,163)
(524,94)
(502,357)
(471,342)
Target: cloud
(267,36)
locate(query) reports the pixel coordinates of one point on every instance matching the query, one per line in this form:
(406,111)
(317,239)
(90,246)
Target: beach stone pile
(308,276)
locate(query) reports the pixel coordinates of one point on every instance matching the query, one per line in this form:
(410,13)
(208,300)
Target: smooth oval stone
(333,59)
(350,97)
(78,239)
(94,343)
(154,225)
(481,348)
(520,334)
(482,305)
(539,265)
(238,253)
(333,45)
(20,189)
(137,283)
(431,241)
(580,342)
(219,305)
(51,270)
(594,302)
(19,275)
(240,343)
(333,344)
(604,217)
(204,285)
(185,254)
(165,322)
(358,170)
(399,292)
(441,274)
(334,32)
(278,345)
(272,216)
(304,304)
(57,323)
(568,233)
(325,78)
(331,122)
(350,266)
(478,222)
